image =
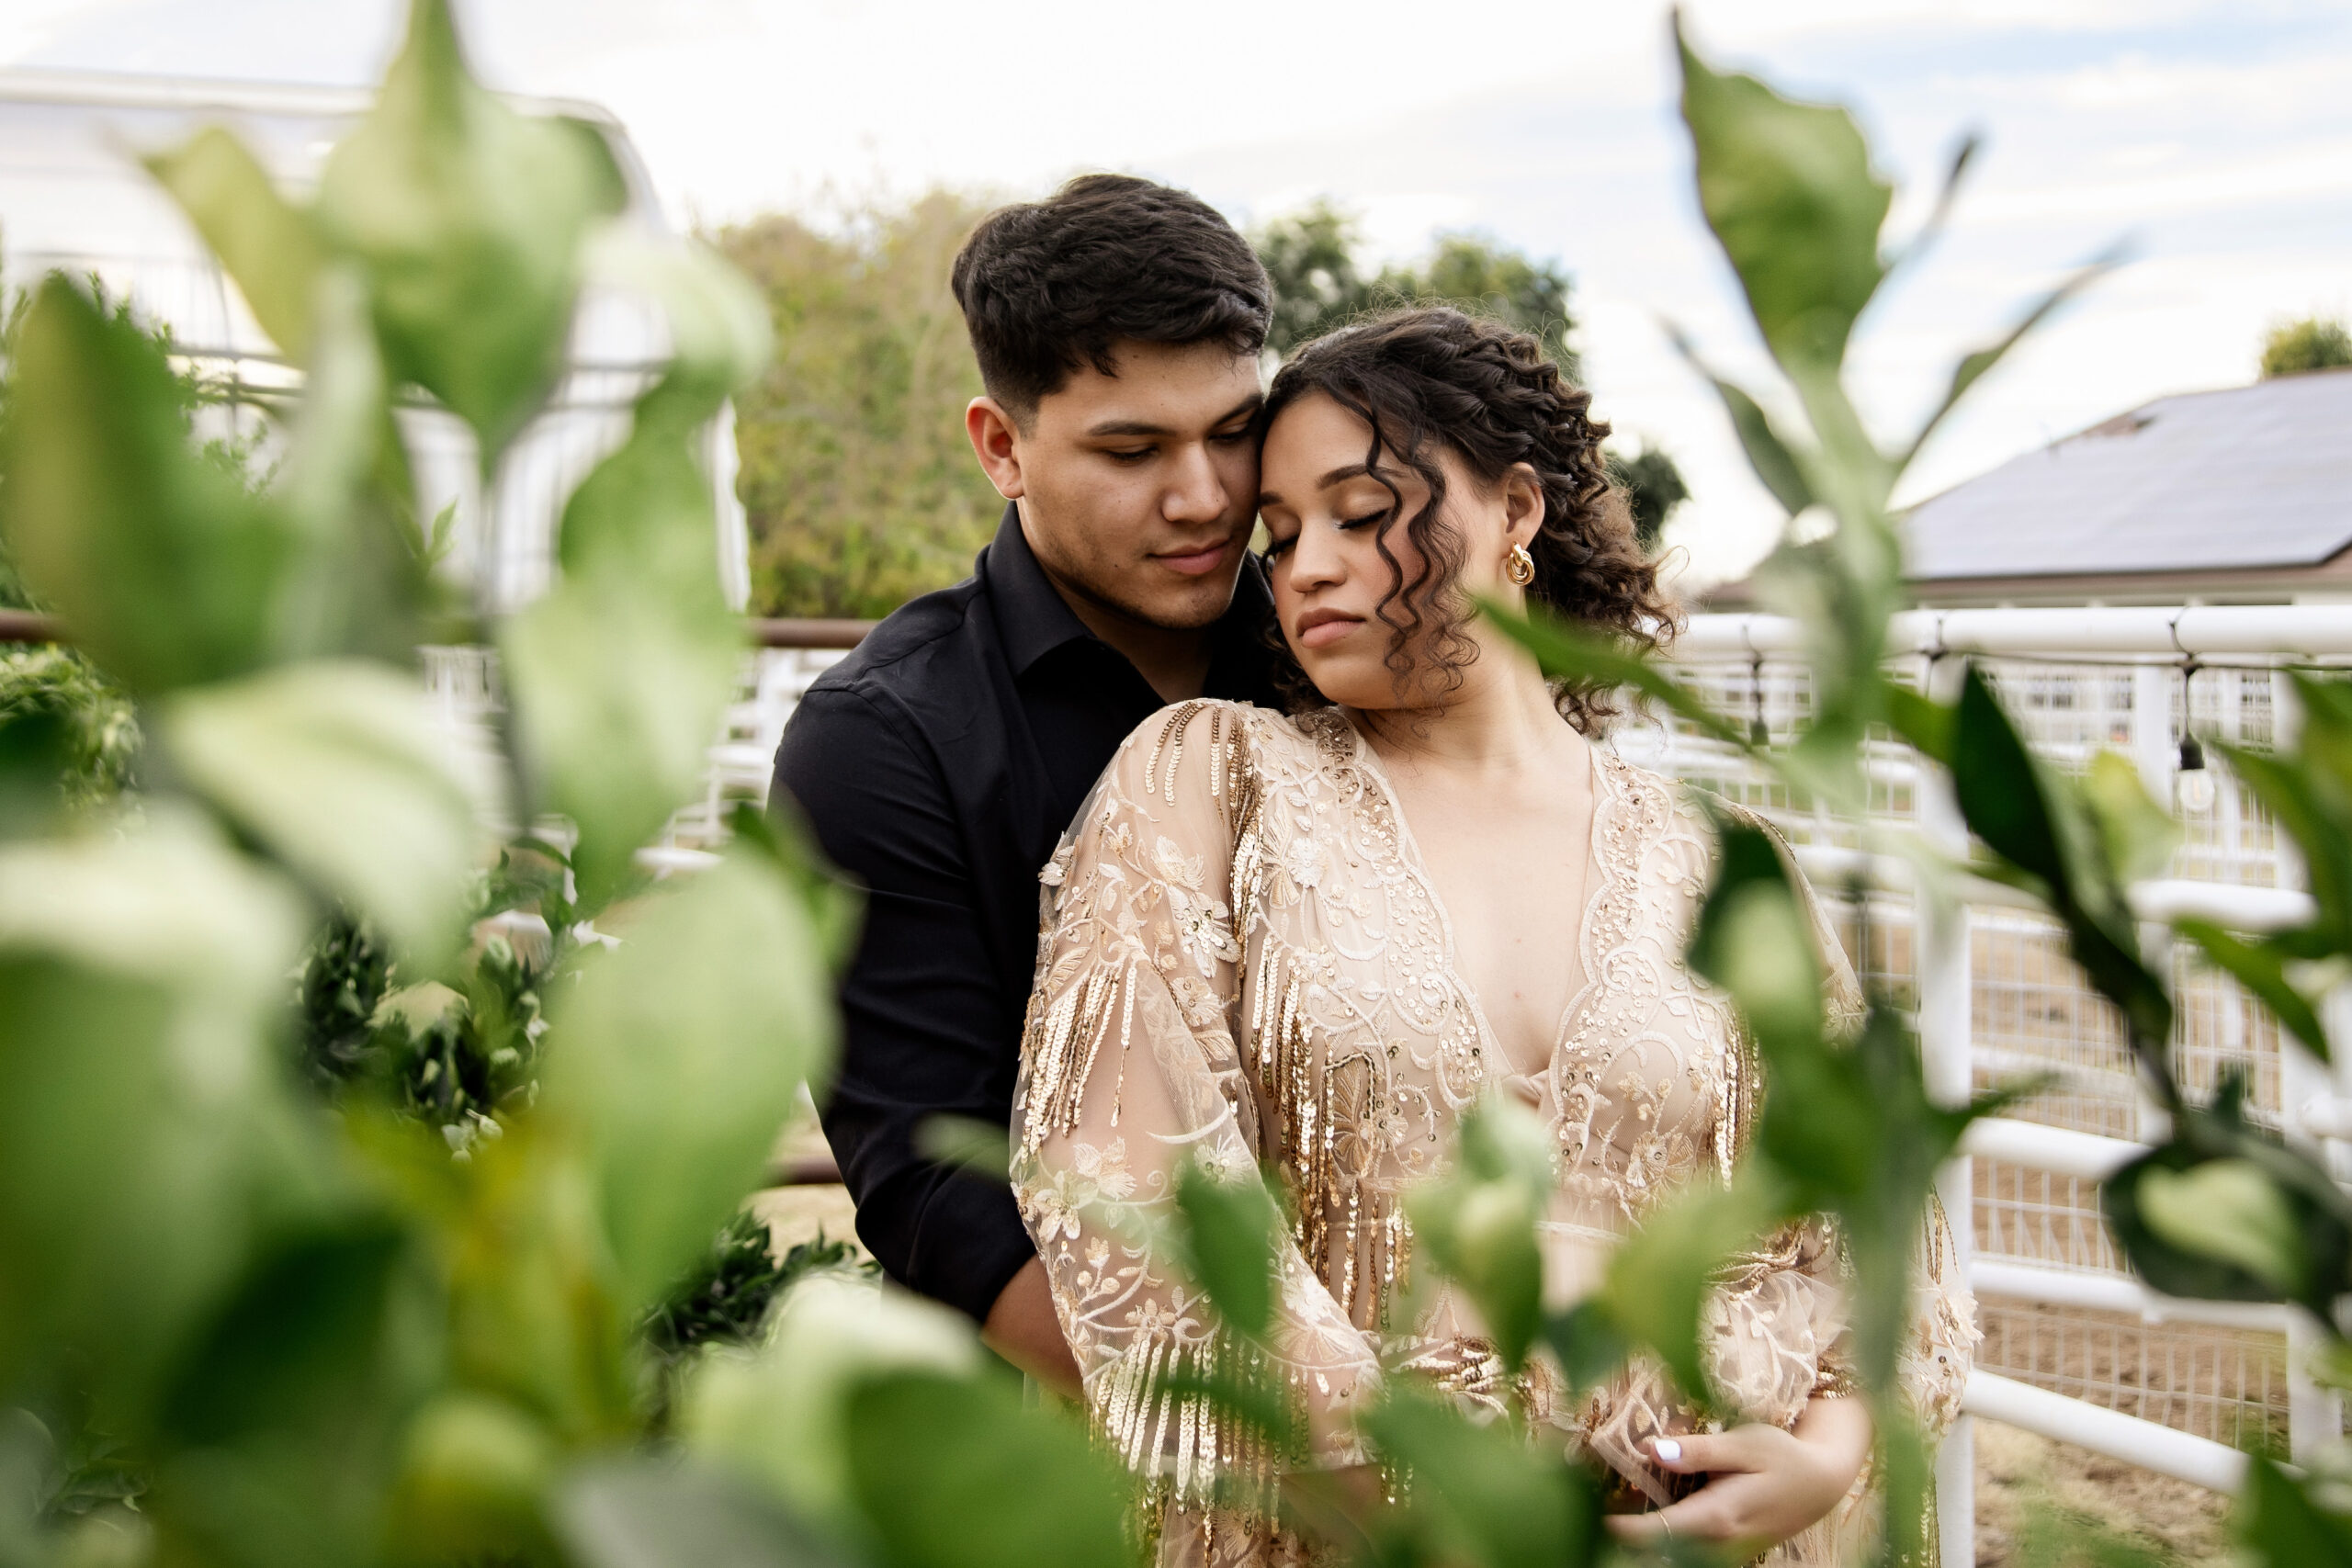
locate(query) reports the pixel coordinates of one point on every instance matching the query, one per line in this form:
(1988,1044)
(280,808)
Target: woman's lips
(1321,630)
(1200,563)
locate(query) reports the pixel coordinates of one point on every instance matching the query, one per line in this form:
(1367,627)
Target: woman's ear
(996,441)
(1523,503)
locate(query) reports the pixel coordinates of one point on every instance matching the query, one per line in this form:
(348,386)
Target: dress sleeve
(1128,1069)
(1790,1297)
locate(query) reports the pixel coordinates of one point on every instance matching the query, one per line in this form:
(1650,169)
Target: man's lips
(1318,628)
(1197,563)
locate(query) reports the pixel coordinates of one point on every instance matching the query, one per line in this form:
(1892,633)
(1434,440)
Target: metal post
(1944,1004)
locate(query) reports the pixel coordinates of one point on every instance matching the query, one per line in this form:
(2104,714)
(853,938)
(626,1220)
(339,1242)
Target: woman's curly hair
(1431,377)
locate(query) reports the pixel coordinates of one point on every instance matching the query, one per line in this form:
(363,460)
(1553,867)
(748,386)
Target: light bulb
(2194,782)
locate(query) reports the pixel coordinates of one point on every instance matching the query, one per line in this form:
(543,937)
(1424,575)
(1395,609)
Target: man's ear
(996,441)
(1523,505)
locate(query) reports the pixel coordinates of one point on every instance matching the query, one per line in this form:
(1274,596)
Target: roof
(2248,477)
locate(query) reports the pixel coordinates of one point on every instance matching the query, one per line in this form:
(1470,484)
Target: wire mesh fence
(2032,1017)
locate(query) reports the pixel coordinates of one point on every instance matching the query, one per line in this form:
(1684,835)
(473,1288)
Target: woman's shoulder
(1155,749)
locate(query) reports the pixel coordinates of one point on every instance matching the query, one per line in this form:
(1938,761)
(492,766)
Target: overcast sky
(2218,136)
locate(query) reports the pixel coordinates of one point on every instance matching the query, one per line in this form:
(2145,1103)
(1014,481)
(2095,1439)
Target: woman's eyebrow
(1340,476)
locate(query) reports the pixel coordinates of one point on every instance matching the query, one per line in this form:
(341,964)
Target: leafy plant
(414,1318)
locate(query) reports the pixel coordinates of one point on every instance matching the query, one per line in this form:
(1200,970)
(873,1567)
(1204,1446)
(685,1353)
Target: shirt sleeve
(926,1031)
(1129,1070)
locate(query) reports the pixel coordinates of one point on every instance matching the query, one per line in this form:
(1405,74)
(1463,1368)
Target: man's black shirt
(939,764)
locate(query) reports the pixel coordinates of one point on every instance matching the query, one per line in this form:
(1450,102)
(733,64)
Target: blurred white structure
(73,196)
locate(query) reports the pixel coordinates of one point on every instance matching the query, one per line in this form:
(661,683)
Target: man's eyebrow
(1246,408)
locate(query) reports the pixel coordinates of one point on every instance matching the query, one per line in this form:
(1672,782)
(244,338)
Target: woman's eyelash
(1346,523)
(1277,547)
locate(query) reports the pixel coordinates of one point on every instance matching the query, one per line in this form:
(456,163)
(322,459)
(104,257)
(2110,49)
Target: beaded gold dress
(1244,964)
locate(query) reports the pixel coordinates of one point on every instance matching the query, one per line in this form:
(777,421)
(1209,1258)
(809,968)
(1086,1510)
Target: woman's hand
(1764,1484)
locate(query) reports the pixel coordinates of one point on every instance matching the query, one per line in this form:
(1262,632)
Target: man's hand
(1765,1484)
(1022,1329)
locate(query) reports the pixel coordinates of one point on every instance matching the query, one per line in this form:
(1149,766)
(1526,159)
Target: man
(1117,326)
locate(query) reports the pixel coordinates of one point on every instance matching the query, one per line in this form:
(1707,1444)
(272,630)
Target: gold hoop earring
(1519,565)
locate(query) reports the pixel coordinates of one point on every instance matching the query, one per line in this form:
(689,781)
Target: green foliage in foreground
(420,1278)
(2223,1210)
(2308,342)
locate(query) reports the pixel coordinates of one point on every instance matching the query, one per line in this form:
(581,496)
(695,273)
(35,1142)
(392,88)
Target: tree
(2310,343)
(860,488)
(1318,285)
(1318,288)
(1653,487)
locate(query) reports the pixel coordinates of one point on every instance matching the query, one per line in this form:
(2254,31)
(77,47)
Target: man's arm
(923,1020)
(1023,1329)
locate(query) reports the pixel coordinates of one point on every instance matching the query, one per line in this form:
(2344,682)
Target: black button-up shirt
(939,764)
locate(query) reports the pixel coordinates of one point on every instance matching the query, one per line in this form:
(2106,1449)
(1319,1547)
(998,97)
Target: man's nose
(1196,492)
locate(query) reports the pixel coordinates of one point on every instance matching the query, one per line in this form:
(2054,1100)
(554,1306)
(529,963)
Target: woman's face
(1323,512)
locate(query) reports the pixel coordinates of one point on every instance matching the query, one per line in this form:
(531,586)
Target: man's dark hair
(1047,286)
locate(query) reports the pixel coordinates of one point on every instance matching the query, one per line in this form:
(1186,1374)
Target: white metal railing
(2077,679)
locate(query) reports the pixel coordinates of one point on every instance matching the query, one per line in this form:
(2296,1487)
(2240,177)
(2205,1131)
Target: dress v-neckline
(1409,852)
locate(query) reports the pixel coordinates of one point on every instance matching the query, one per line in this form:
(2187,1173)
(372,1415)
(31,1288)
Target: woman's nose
(1314,557)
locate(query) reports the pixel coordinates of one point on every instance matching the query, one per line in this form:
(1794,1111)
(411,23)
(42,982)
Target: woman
(1313,942)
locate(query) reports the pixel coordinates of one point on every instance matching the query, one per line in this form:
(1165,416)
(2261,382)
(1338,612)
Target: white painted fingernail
(1669,1450)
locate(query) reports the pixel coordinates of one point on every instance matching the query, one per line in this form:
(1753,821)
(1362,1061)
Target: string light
(2194,782)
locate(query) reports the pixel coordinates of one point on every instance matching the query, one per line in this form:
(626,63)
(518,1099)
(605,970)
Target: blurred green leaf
(2226,1210)
(143,1116)
(1789,191)
(1588,1343)
(1229,1236)
(1571,653)
(953,1472)
(2261,967)
(684,1054)
(2312,808)
(1476,1223)
(780,1415)
(1754,939)
(316,1337)
(469,218)
(267,247)
(282,1423)
(169,570)
(2279,1526)
(719,333)
(335,768)
(621,673)
(2137,834)
(1774,461)
(836,904)
(1482,1493)
(1660,1278)
(2306,1257)
(1926,724)
(982,1148)
(474,1476)
(2011,800)
(364,573)
(645,1513)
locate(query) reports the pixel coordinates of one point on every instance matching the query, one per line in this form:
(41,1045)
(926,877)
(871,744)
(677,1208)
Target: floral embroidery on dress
(1242,961)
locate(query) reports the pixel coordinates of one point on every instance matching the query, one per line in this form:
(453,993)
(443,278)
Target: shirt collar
(1031,614)
(1034,620)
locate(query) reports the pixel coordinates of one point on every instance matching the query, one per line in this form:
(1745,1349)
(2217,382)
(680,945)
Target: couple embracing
(1324,861)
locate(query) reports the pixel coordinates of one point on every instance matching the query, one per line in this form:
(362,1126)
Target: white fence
(2075,1348)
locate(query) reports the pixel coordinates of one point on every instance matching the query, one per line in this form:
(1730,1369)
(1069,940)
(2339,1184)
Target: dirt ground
(2015,1469)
